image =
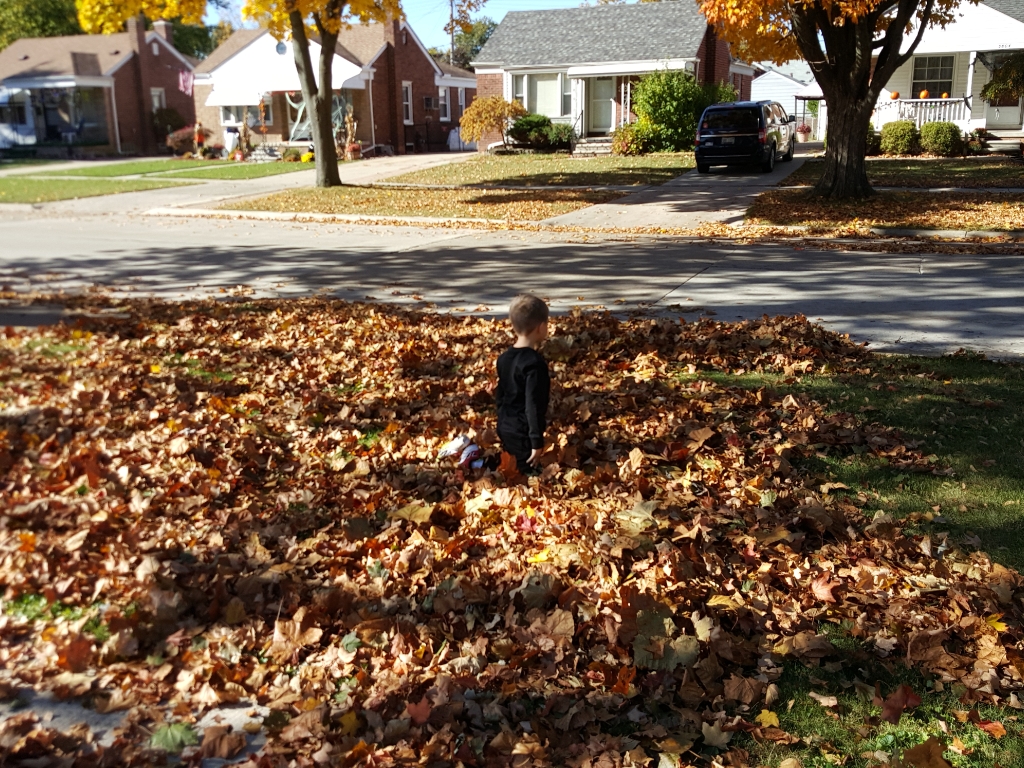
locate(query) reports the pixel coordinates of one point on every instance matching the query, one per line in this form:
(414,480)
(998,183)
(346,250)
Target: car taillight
(698,137)
(761,136)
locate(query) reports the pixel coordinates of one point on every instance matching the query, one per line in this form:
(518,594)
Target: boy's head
(527,313)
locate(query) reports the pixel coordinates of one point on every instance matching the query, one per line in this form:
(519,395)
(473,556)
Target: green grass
(841,732)
(235,171)
(24,162)
(554,169)
(973,172)
(966,412)
(111,170)
(22,189)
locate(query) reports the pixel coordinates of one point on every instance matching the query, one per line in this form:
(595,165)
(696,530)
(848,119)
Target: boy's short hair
(527,312)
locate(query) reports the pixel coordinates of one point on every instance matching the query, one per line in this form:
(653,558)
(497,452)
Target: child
(524,384)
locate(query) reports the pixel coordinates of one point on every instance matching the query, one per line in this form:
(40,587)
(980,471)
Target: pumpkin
(923,95)
(945,95)
(894,95)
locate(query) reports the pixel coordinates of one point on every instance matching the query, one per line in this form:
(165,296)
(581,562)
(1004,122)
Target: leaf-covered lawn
(917,210)
(215,502)
(532,205)
(554,169)
(133,168)
(22,189)
(971,172)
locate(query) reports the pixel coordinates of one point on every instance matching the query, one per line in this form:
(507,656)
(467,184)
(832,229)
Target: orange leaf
(625,678)
(822,587)
(926,755)
(419,713)
(900,699)
(509,467)
(993,728)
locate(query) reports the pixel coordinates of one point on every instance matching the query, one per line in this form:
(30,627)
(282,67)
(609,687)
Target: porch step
(593,146)
(1004,146)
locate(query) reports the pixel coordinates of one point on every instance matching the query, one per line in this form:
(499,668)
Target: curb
(950,234)
(351,218)
(21,207)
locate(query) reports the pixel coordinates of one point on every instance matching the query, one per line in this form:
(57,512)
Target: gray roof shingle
(596,34)
(1012,8)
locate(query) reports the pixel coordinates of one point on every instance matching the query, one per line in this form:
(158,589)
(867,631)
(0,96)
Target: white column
(971,59)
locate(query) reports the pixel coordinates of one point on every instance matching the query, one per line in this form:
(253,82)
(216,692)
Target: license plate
(728,140)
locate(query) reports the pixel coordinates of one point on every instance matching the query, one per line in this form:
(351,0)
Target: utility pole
(451,27)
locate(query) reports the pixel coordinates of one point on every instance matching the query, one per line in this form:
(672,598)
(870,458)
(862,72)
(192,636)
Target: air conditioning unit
(430,102)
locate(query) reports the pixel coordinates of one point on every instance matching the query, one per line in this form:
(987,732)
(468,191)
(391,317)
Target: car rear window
(732,120)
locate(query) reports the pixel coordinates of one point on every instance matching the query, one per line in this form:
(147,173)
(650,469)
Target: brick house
(402,100)
(92,94)
(578,65)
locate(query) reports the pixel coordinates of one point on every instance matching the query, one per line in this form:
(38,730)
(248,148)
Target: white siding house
(775,86)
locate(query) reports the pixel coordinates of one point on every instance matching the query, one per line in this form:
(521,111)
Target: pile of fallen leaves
(221,502)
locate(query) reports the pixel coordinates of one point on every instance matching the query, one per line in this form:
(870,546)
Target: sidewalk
(206,194)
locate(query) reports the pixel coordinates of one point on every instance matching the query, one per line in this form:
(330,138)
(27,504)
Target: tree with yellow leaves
(298,20)
(853,48)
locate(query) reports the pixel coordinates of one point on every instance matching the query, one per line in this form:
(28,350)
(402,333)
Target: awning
(810,92)
(627,67)
(223,96)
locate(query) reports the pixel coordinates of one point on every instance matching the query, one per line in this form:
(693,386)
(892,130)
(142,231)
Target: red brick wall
(486,86)
(714,58)
(411,64)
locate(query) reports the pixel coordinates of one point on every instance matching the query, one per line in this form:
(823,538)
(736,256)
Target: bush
(183,139)
(638,138)
(874,143)
(900,138)
(292,155)
(943,139)
(673,101)
(489,114)
(561,136)
(531,130)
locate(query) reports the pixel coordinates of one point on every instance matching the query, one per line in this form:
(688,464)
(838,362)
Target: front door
(602,95)
(1003,113)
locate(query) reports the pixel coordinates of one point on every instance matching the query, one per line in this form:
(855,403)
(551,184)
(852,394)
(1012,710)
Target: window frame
(566,85)
(462,101)
(240,113)
(407,113)
(923,84)
(443,106)
(157,95)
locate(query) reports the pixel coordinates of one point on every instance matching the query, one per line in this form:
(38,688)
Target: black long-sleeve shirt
(524,387)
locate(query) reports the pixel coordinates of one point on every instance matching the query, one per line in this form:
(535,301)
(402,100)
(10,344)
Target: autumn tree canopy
(852,46)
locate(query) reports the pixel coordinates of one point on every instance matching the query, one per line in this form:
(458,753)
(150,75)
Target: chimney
(165,29)
(136,29)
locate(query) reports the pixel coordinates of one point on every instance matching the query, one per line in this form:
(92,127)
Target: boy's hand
(534,459)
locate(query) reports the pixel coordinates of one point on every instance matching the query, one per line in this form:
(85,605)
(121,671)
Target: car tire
(769,165)
(788,157)
(703,168)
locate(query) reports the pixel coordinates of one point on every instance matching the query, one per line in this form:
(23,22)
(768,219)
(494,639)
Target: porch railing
(923,111)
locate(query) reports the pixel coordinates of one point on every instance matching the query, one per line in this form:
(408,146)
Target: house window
(519,89)
(462,101)
(13,114)
(407,103)
(442,94)
(566,94)
(158,97)
(544,94)
(933,74)
(233,116)
(156,49)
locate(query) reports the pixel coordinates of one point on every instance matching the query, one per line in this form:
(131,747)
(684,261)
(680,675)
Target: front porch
(59,117)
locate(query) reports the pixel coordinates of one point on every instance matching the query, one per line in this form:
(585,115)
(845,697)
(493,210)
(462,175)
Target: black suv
(744,132)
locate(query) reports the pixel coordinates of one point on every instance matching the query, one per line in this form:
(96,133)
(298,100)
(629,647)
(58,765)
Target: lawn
(915,210)
(25,162)
(22,189)
(971,172)
(133,168)
(499,204)
(233,171)
(241,501)
(554,169)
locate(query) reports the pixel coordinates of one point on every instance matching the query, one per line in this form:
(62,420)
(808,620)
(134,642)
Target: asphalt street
(921,303)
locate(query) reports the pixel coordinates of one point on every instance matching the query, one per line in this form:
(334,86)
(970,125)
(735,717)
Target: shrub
(292,155)
(638,138)
(874,143)
(943,139)
(213,151)
(900,138)
(673,101)
(532,130)
(561,136)
(166,120)
(182,140)
(491,113)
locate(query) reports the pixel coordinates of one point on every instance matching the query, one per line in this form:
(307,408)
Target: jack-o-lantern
(923,94)
(894,95)
(945,95)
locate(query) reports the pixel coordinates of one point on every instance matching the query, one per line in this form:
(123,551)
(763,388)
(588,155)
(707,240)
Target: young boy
(524,384)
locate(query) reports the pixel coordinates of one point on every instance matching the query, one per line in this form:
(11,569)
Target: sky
(428,17)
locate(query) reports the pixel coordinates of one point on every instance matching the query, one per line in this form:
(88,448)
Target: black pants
(518,445)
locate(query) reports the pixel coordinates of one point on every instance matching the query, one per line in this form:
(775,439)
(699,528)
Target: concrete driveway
(914,303)
(685,202)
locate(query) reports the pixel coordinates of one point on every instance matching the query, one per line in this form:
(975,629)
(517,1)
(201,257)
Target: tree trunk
(319,98)
(845,174)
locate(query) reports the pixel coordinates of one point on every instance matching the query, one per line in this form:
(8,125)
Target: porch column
(971,59)
(578,98)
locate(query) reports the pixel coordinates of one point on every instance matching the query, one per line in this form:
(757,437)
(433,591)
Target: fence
(923,111)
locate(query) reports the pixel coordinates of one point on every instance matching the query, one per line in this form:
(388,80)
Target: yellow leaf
(767,718)
(994,622)
(154,369)
(541,557)
(349,724)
